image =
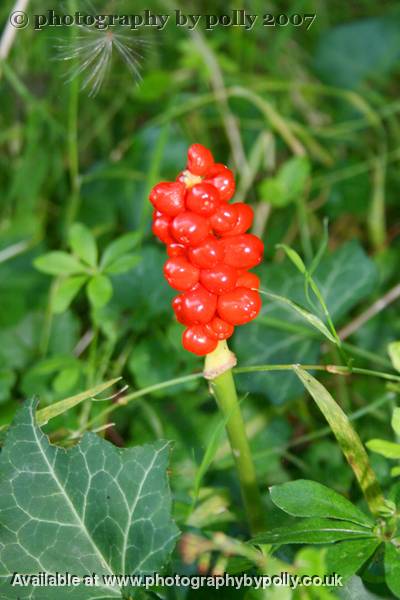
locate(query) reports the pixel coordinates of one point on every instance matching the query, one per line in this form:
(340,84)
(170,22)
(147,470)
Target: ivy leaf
(118,248)
(58,263)
(346,558)
(313,531)
(99,290)
(303,498)
(83,243)
(93,508)
(392,568)
(66,291)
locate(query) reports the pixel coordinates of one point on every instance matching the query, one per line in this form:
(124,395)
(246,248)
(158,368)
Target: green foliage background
(308,121)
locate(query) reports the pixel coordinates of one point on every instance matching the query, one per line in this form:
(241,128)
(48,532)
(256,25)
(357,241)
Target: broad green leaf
(394,353)
(293,176)
(354,589)
(347,557)
(93,508)
(122,264)
(66,379)
(43,415)
(385,448)
(347,438)
(304,498)
(99,290)
(396,421)
(58,263)
(118,248)
(392,568)
(395,471)
(66,291)
(305,314)
(313,531)
(273,191)
(83,243)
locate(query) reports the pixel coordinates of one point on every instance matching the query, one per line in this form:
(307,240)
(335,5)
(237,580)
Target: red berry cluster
(209,251)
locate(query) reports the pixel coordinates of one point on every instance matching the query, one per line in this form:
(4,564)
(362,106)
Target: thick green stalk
(218,370)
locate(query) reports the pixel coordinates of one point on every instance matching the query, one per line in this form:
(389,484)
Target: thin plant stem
(223,387)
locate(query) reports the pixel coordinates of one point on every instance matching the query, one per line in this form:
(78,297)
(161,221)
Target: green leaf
(293,176)
(392,568)
(313,531)
(66,291)
(396,421)
(304,498)
(384,448)
(7,380)
(58,263)
(347,438)
(394,354)
(92,508)
(99,290)
(119,247)
(294,257)
(122,264)
(83,243)
(273,191)
(346,558)
(305,314)
(44,415)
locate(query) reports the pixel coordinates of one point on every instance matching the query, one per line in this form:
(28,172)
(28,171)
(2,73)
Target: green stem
(224,390)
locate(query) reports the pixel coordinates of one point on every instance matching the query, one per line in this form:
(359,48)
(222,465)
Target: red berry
(189,228)
(181,274)
(203,199)
(175,249)
(222,178)
(219,279)
(198,306)
(245,215)
(242,251)
(207,254)
(200,159)
(197,341)
(161,228)
(177,307)
(248,280)
(168,198)
(239,306)
(217,329)
(224,219)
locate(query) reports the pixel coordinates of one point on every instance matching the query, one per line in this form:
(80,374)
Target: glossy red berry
(161,229)
(245,215)
(176,249)
(239,306)
(177,308)
(217,329)
(248,280)
(180,273)
(224,219)
(203,199)
(207,254)
(200,159)
(197,341)
(222,178)
(168,198)
(219,279)
(189,228)
(198,306)
(242,251)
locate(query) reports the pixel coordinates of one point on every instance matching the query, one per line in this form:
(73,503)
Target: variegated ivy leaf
(93,508)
